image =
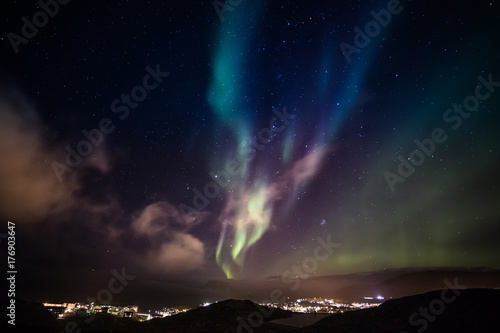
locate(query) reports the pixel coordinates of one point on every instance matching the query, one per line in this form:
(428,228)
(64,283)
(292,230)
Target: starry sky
(202,142)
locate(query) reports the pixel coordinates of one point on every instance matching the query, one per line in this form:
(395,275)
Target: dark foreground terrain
(457,311)
(473,310)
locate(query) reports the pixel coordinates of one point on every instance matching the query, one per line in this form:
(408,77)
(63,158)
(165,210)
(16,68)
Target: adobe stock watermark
(436,307)
(221,7)
(95,137)
(381,19)
(233,168)
(40,19)
(104,296)
(294,276)
(427,146)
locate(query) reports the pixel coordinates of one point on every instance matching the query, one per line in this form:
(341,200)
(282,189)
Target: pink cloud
(30,190)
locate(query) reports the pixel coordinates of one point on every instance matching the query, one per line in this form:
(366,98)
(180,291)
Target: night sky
(228,142)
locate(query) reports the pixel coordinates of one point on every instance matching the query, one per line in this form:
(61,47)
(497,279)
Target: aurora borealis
(263,137)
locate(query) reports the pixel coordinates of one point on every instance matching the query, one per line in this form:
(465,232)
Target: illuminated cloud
(157,218)
(183,253)
(30,190)
(173,249)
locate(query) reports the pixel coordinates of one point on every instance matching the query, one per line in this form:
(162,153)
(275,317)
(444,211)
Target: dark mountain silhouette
(443,311)
(473,310)
(34,317)
(30,317)
(223,316)
(468,310)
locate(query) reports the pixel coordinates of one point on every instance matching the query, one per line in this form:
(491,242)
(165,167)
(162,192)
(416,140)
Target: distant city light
(301,305)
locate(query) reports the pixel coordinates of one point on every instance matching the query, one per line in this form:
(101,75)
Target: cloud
(183,253)
(157,218)
(30,190)
(172,249)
